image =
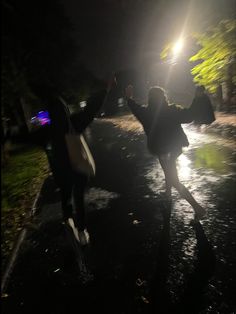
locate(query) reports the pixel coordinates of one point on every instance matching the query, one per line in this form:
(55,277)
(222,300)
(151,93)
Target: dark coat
(163,126)
(202,110)
(54,134)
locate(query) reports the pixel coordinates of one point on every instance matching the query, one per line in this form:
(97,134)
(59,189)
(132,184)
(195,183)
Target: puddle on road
(207,169)
(211,156)
(98,199)
(201,168)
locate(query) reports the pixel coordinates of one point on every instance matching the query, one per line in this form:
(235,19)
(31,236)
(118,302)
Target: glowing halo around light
(178,46)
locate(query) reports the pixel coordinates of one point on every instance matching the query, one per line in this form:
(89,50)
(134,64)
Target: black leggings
(72,197)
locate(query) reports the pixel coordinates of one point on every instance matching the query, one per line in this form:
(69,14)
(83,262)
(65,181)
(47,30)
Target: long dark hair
(157,98)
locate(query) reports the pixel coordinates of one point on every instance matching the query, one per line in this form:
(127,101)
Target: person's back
(72,182)
(59,116)
(165,137)
(162,122)
(53,135)
(202,108)
(166,133)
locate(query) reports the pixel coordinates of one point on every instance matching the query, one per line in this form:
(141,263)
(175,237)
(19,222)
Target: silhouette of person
(202,108)
(165,137)
(72,184)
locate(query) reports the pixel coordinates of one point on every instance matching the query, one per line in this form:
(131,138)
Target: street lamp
(178,46)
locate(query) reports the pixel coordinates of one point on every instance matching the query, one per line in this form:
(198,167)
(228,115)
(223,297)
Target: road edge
(19,240)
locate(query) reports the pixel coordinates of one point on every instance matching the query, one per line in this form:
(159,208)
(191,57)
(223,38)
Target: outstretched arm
(82,119)
(136,109)
(181,115)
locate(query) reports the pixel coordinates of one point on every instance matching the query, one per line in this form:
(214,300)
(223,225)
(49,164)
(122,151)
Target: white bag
(80,156)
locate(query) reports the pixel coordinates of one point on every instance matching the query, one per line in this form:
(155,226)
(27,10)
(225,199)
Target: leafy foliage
(165,52)
(217,56)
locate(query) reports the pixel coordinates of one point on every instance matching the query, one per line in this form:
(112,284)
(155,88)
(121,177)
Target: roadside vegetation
(21,178)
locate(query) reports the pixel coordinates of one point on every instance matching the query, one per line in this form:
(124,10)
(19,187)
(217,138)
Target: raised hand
(129,91)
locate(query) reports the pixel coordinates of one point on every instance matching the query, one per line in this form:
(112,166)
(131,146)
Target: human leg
(164,162)
(171,174)
(80,182)
(79,186)
(66,200)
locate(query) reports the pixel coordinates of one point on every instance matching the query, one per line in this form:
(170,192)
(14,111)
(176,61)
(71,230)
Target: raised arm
(136,109)
(181,115)
(82,119)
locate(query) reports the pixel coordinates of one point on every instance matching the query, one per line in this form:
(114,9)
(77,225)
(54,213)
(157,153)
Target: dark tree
(38,49)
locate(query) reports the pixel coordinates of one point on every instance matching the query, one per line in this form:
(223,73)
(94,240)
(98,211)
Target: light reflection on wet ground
(207,168)
(203,167)
(131,245)
(97,198)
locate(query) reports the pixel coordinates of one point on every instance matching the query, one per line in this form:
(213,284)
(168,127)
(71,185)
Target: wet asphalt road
(138,261)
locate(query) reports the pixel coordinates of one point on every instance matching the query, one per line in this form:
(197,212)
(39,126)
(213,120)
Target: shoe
(84,237)
(70,222)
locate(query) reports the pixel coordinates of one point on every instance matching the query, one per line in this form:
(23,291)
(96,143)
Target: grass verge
(21,179)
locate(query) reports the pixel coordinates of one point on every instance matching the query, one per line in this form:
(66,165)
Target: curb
(20,239)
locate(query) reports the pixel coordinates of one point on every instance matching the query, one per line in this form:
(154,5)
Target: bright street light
(178,46)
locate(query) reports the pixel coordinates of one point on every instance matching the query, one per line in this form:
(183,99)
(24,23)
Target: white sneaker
(84,237)
(70,223)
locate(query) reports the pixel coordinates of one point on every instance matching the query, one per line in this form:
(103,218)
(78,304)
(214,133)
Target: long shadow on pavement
(192,298)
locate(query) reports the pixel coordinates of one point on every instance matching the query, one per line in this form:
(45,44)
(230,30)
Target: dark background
(116,34)
(76,44)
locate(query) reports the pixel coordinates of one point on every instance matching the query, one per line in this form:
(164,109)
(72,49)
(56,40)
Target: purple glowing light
(43,117)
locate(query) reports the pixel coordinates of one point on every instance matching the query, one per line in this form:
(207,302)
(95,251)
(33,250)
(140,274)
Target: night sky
(113,35)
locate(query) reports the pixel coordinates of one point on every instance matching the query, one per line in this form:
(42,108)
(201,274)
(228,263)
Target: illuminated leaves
(217,53)
(165,51)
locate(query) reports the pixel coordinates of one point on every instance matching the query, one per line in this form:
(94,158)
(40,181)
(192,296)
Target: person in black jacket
(72,184)
(165,137)
(202,108)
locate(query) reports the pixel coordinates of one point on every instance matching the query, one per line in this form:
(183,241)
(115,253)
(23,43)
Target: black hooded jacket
(202,110)
(163,126)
